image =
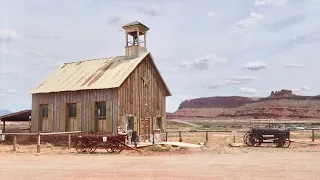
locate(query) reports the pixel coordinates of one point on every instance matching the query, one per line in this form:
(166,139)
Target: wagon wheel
(287,143)
(280,142)
(83,144)
(93,146)
(108,146)
(118,146)
(80,145)
(254,140)
(90,145)
(246,138)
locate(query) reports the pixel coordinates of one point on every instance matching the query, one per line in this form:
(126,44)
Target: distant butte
(279,104)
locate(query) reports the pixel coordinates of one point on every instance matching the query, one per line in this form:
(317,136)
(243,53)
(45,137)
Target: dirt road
(245,166)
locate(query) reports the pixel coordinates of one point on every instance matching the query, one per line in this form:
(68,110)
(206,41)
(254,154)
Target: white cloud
(248,91)
(255,66)
(204,62)
(4,50)
(252,19)
(294,66)
(270,2)
(302,88)
(234,80)
(36,53)
(12,91)
(169,70)
(151,11)
(9,35)
(4,93)
(240,80)
(243,78)
(115,20)
(211,14)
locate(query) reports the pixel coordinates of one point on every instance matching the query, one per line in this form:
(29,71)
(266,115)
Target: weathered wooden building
(99,95)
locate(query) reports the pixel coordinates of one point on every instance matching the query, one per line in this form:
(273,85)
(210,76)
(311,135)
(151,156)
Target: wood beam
(4,127)
(145,40)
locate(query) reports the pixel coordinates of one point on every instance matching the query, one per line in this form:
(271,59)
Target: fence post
(312,135)
(14,143)
(180,137)
(69,141)
(166,136)
(38,145)
(152,137)
(207,137)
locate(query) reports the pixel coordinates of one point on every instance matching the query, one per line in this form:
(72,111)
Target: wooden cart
(89,143)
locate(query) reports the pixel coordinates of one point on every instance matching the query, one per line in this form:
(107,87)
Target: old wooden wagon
(89,143)
(257,136)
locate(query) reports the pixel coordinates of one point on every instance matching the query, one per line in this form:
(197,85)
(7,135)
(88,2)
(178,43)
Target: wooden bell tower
(135,43)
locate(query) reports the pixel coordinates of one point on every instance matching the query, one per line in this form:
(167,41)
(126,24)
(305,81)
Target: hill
(4,112)
(280,104)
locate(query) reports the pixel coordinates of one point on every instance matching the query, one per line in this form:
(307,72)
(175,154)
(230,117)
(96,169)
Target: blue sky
(202,48)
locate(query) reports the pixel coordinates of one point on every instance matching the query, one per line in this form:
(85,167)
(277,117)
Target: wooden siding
(84,99)
(139,100)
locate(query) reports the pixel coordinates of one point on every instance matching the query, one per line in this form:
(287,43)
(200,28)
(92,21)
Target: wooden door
(144,128)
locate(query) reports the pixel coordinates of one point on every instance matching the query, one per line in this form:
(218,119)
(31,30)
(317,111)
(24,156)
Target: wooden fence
(312,131)
(39,137)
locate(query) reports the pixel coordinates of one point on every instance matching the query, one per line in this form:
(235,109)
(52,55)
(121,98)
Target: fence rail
(39,134)
(230,131)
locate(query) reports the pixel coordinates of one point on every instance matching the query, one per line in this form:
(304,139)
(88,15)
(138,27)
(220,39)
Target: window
(44,110)
(72,110)
(129,123)
(159,123)
(102,110)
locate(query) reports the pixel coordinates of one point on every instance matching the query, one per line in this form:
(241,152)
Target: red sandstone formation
(280,104)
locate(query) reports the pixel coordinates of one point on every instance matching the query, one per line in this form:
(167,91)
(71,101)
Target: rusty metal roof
(17,116)
(102,73)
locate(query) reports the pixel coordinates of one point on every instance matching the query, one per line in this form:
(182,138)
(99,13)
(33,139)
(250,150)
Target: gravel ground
(241,166)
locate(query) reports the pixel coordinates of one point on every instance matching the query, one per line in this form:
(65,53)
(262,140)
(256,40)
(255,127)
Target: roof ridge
(81,61)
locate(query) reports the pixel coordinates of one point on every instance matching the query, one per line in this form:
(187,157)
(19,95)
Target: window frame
(72,109)
(128,119)
(44,114)
(103,107)
(158,126)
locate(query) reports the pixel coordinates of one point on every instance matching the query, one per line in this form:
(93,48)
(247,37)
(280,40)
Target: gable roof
(135,23)
(102,73)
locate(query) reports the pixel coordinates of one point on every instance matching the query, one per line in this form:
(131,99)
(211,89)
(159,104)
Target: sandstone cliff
(280,104)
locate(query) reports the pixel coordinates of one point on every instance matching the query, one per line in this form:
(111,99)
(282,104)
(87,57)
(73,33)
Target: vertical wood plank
(135,120)
(78,118)
(92,117)
(63,116)
(35,117)
(123,123)
(50,118)
(163,121)
(100,125)
(154,123)
(109,116)
(44,123)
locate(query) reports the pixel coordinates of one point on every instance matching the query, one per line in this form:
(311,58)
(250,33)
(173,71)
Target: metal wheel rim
(108,147)
(118,146)
(254,140)
(80,147)
(246,138)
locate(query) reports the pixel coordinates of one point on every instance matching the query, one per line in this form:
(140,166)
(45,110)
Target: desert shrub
(183,147)
(206,126)
(159,148)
